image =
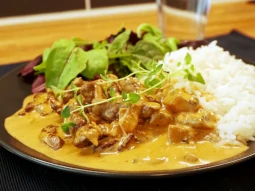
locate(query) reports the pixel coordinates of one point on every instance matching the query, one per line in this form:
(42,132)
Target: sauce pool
(150,156)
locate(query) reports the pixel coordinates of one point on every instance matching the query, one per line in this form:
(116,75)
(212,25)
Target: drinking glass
(183,19)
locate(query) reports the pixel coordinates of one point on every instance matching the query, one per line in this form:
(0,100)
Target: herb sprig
(67,59)
(153,79)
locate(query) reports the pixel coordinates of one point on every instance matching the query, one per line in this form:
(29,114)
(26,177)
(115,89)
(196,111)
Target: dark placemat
(238,44)
(19,174)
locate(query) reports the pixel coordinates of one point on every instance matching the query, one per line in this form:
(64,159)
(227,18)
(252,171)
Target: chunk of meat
(78,82)
(183,133)
(43,109)
(78,119)
(54,103)
(155,97)
(86,135)
(110,130)
(98,109)
(128,85)
(124,141)
(190,158)
(140,136)
(129,117)
(48,136)
(87,91)
(111,111)
(148,108)
(39,104)
(161,118)
(99,92)
(108,111)
(50,129)
(29,107)
(180,133)
(200,120)
(40,98)
(114,129)
(180,101)
(67,96)
(107,144)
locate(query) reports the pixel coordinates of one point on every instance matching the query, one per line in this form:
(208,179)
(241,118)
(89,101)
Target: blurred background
(27,7)
(27,27)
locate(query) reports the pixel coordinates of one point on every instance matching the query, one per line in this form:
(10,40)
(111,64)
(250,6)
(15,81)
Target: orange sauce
(155,155)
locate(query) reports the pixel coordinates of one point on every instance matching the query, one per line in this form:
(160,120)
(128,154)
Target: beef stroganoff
(138,102)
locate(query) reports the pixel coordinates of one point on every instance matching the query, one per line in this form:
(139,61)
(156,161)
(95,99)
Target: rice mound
(229,89)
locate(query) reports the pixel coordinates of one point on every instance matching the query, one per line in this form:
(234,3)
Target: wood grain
(24,42)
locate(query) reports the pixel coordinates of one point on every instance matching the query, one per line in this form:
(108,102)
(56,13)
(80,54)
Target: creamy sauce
(155,155)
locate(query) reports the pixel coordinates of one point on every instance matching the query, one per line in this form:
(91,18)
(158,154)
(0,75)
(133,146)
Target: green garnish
(65,113)
(188,59)
(197,78)
(111,92)
(124,95)
(66,59)
(189,71)
(97,63)
(132,97)
(119,43)
(65,127)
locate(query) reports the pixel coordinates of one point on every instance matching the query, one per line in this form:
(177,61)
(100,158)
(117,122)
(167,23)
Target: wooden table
(24,42)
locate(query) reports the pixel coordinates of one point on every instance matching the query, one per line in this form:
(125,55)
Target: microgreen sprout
(65,113)
(152,80)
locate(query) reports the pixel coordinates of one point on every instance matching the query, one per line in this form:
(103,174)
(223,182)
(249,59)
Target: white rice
(229,80)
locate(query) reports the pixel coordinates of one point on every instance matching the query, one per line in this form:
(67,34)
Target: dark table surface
(19,174)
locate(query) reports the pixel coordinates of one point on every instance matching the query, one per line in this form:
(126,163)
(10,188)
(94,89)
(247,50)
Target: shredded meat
(86,135)
(180,101)
(87,91)
(55,104)
(107,124)
(128,118)
(49,136)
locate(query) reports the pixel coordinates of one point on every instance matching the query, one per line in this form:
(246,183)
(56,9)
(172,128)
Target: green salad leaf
(75,64)
(80,42)
(119,42)
(41,67)
(172,43)
(56,61)
(149,31)
(127,53)
(64,63)
(146,52)
(97,63)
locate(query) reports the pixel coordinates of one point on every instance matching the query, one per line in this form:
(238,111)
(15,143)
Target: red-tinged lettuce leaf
(39,84)
(40,88)
(56,61)
(64,62)
(133,38)
(75,64)
(38,81)
(28,69)
(119,42)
